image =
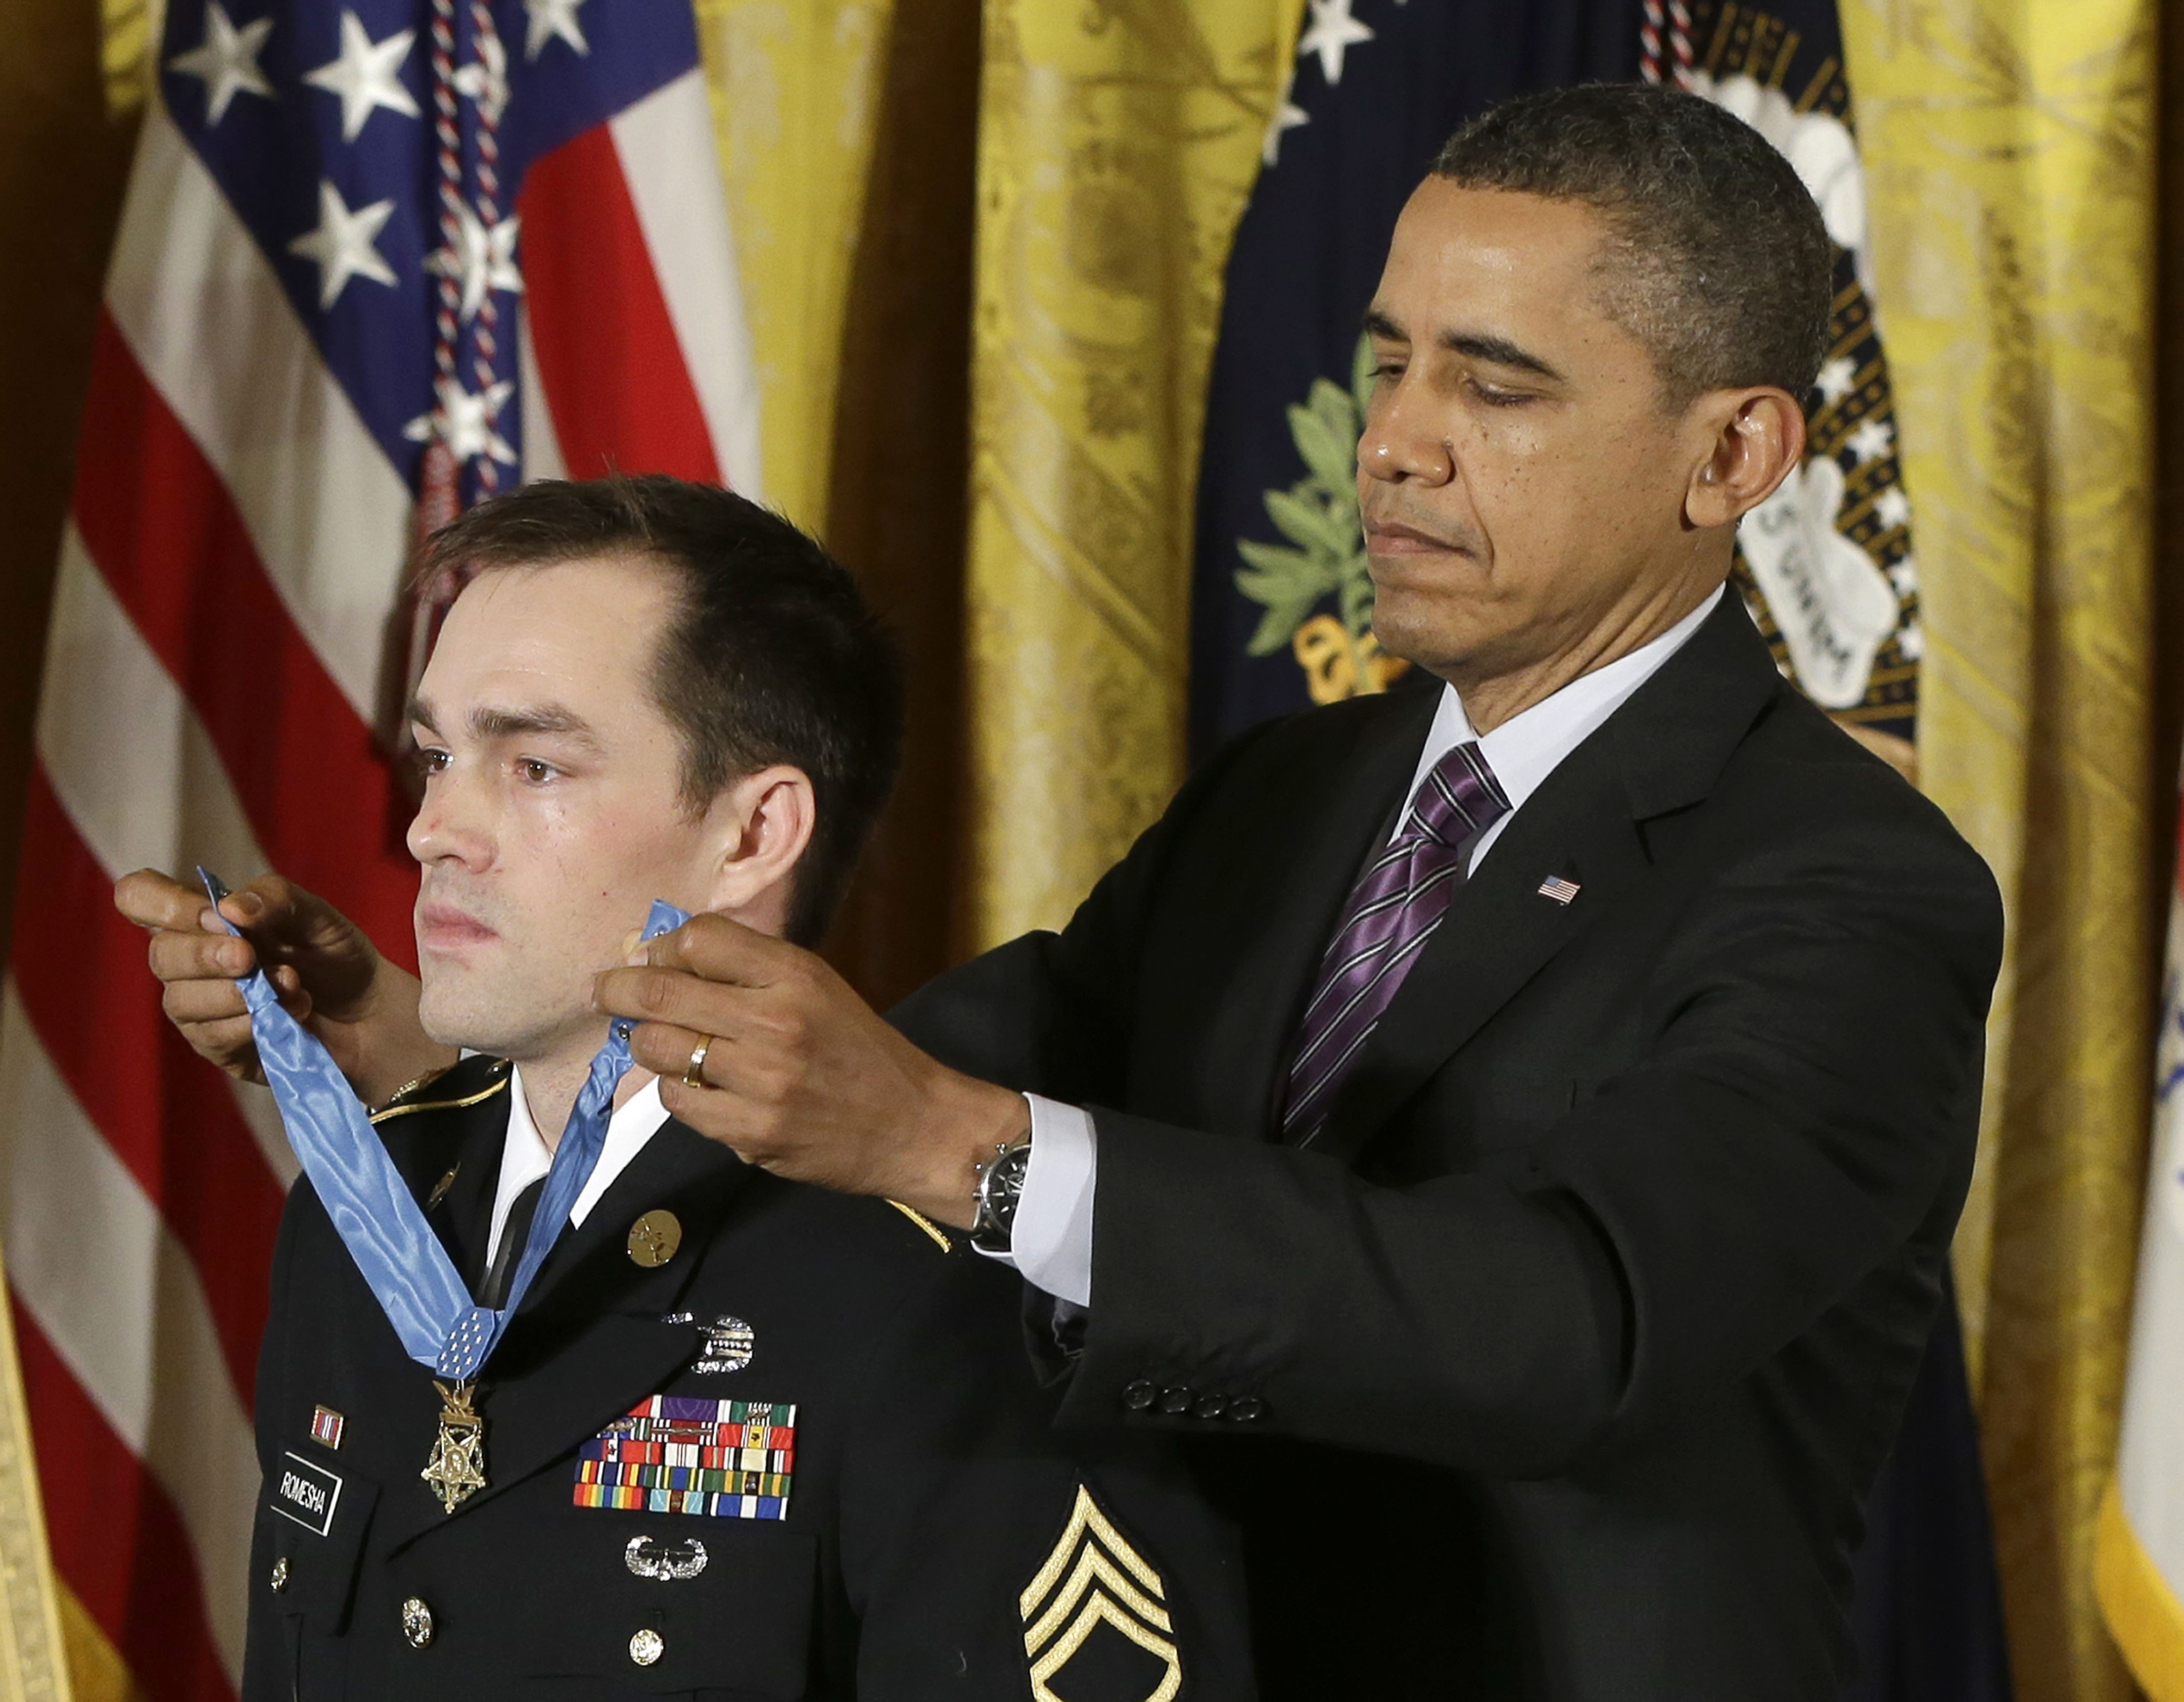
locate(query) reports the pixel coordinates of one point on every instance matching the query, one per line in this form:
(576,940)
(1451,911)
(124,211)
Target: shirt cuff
(1050,1242)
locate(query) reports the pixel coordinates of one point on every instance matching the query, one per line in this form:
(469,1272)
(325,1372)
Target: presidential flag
(1282,602)
(378,260)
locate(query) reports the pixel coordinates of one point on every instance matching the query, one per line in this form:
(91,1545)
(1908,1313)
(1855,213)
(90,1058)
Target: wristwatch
(999,1186)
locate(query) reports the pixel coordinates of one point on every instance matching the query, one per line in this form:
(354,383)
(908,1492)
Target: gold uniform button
(280,1579)
(647,1646)
(416,1623)
(654,1237)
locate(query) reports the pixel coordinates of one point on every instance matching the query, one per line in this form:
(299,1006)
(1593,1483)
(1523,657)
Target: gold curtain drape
(1118,141)
(2009,147)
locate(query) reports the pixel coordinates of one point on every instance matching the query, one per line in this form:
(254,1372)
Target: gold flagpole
(32,1666)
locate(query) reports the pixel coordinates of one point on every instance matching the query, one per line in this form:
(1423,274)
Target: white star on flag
(552,17)
(485,79)
(1904,575)
(1911,642)
(483,259)
(343,245)
(1873,440)
(1837,379)
(1332,33)
(1892,508)
(1287,116)
(463,421)
(367,75)
(226,60)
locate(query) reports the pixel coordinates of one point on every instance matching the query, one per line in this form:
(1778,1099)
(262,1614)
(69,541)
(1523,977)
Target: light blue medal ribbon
(373,1211)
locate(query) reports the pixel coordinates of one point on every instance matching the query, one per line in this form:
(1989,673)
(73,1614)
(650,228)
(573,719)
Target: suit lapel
(1335,820)
(589,1339)
(1661,751)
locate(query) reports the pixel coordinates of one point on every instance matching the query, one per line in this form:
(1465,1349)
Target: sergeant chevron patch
(730,1459)
(1095,1577)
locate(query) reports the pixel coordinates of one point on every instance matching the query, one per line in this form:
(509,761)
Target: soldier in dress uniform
(744,1437)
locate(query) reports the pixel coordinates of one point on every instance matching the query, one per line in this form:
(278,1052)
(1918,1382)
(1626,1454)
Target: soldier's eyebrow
(494,722)
(490,720)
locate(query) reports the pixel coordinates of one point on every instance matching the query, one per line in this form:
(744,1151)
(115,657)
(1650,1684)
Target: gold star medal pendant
(456,1469)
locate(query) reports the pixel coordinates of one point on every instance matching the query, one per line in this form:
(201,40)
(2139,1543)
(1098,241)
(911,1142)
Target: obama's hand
(330,977)
(802,1077)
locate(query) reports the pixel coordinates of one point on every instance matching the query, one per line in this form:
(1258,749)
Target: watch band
(999,1186)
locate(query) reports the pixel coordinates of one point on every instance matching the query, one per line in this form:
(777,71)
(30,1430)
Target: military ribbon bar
(726,1459)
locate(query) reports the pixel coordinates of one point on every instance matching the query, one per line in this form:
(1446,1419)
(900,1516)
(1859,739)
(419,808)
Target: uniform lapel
(1334,817)
(1662,751)
(590,1339)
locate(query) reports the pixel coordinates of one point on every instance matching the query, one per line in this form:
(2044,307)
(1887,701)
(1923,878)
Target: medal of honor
(456,1470)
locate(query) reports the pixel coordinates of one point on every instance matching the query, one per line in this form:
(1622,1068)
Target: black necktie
(492,1291)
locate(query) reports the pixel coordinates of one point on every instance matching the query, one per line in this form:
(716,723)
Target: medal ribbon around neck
(372,1209)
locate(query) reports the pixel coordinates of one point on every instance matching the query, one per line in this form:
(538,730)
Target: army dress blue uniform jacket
(935,1537)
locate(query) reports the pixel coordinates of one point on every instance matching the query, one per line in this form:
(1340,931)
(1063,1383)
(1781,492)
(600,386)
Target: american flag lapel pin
(1558,888)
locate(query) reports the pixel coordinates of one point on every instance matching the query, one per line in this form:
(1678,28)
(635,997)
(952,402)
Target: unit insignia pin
(727,1347)
(440,1188)
(456,1469)
(654,1237)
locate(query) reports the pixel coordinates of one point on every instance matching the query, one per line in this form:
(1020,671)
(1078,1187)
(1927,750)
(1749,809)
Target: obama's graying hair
(1717,258)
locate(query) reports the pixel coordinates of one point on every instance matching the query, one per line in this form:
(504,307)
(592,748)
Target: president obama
(1518,1128)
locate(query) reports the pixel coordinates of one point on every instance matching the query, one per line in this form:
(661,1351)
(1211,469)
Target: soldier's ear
(761,826)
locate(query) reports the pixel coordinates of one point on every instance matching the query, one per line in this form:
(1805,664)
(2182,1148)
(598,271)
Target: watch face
(999,1186)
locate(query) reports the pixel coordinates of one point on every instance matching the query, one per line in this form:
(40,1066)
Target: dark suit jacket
(935,1543)
(1557,1368)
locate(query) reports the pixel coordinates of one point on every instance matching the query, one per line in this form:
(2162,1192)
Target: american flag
(378,259)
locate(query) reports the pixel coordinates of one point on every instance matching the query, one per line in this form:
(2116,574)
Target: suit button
(1175,1402)
(280,1578)
(1210,1406)
(1138,1395)
(647,1646)
(1245,1408)
(416,1623)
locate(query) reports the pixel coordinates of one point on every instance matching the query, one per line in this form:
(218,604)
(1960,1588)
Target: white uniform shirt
(524,1158)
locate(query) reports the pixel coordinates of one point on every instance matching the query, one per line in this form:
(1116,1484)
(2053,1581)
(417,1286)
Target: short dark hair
(1718,263)
(771,657)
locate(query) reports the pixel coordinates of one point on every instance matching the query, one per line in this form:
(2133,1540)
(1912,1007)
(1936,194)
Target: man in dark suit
(1519,1127)
(744,1437)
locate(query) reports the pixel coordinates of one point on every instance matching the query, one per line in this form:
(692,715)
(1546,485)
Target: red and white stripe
(233,555)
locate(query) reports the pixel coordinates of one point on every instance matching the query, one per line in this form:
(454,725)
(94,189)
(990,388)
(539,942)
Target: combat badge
(456,1470)
(1093,1578)
(728,1344)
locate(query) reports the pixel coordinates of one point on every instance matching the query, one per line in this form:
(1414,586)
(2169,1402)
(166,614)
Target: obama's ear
(1749,441)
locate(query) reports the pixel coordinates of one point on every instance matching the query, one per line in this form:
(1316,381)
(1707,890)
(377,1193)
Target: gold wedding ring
(695,1076)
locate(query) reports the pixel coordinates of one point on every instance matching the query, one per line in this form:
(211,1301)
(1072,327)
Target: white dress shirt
(1050,1241)
(524,1158)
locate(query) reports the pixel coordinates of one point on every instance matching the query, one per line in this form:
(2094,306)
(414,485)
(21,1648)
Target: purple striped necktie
(1393,909)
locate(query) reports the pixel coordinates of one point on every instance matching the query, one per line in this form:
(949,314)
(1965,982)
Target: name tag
(306,1493)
